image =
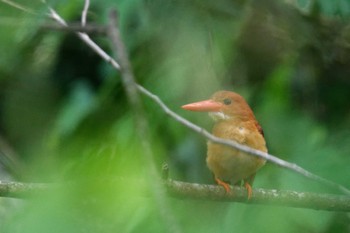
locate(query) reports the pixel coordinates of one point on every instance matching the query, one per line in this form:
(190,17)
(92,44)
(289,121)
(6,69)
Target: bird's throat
(218,116)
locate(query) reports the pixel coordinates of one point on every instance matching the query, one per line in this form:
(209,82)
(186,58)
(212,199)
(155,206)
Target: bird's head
(223,105)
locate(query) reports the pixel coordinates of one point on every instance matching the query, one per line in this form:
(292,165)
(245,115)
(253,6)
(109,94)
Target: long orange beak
(203,106)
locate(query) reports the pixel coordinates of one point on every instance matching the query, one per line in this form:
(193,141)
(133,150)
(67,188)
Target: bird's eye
(227,101)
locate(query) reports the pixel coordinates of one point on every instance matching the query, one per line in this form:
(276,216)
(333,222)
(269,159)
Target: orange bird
(234,121)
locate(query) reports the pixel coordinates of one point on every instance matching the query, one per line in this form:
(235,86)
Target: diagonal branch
(18,6)
(85,37)
(233,144)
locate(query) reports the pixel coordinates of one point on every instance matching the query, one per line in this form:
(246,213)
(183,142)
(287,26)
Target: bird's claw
(223,184)
(249,189)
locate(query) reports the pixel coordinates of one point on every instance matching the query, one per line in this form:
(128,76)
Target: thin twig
(18,6)
(85,37)
(126,70)
(233,144)
(84,13)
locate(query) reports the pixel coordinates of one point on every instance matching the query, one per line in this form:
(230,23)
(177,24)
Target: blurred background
(64,115)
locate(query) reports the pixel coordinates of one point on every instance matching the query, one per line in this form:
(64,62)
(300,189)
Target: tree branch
(73,27)
(18,6)
(260,196)
(22,190)
(141,123)
(183,190)
(84,13)
(84,37)
(273,159)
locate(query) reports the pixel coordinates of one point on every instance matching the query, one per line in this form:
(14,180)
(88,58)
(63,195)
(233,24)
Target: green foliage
(65,114)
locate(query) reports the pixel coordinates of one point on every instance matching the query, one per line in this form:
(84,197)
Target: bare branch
(21,190)
(183,190)
(233,144)
(260,196)
(128,79)
(89,29)
(84,13)
(85,37)
(18,6)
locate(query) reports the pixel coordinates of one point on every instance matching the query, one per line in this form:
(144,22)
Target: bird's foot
(249,189)
(223,184)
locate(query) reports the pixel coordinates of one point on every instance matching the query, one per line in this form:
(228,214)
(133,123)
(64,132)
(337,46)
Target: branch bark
(74,27)
(183,190)
(21,190)
(260,196)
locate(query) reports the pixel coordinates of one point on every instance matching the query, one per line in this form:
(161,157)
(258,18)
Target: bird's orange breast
(230,164)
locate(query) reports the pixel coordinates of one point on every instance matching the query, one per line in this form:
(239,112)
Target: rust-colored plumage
(234,121)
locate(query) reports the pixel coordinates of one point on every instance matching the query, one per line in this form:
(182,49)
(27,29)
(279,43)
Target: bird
(234,120)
